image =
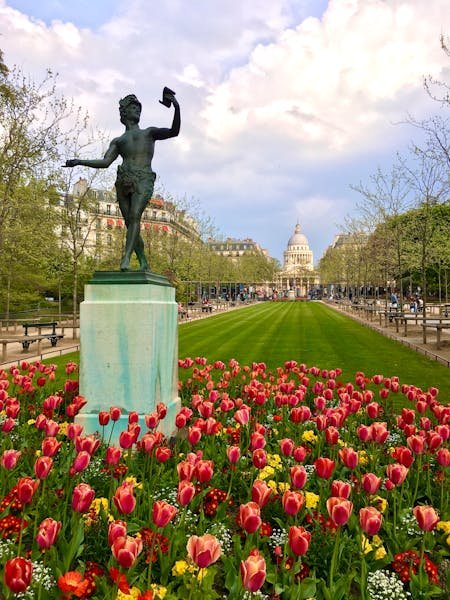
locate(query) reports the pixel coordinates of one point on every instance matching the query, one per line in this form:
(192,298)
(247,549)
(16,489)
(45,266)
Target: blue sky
(285,104)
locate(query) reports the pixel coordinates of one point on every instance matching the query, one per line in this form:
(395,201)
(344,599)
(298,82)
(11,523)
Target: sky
(285,104)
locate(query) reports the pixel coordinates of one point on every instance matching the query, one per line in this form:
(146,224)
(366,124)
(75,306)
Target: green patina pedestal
(129,349)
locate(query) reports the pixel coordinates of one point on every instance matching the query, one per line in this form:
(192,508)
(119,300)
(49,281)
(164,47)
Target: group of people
(415,303)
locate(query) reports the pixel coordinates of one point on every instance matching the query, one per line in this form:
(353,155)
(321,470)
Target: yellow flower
(272,484)
(377,541)
(202,574)
(366,545)
(311,499)
(381,503)
(448,541)
(274,460)
(31,421)
(444,526)
(362,456)
(38,453)
(309,436)
(63,428)
(341,443)
(159,590)
(179,568)
(380,553)
(134,593)
(98,504)
(266,472)
(283,487)
(133,481)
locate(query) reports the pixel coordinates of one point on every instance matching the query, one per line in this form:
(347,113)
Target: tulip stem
(419,469)
(335,555)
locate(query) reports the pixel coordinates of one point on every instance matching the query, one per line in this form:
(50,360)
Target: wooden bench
(207,307)
(52,336)
(439,326)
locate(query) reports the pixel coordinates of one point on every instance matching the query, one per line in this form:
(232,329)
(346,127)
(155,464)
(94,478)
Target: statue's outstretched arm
(162,133)
(97,163)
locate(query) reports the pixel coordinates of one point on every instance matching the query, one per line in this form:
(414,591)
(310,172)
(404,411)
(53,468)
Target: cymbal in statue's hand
(73,162)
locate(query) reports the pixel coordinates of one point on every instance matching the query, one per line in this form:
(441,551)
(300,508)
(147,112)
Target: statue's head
(125,103)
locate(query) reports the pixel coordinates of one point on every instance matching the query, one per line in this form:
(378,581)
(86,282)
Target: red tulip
(82,497)
(257,441)
(261,492)
(299,540)
(113,455)
(443,457)
(126,550)
(292,502)
(152,420)
(194,435)
(116,529)
(298,476)
(324,467)
(403,455)
(427,518)
(364,433)
(379,432)
(331,435)
(42,466)
(233,454)
(9,459)
(371,483)
(204,470)
(203,550)
(103,418)
(80,462)
(47,533)
(416,443)
(339,510)
(124,498)
(259,458)
(370,520)
(186,491)
(26,488)
(349,457)
(253,571)
(163,513)
(286,446)
(396,473)
(250,517)
(18,572)
(299,453)
(162,454)
(126,439)
(50,446)
(341,489)
(88,443)
(115,413)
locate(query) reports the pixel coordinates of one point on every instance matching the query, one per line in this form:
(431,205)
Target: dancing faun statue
(135,177)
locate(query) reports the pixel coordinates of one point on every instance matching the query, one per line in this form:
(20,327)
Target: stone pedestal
(129,349)
(291,294)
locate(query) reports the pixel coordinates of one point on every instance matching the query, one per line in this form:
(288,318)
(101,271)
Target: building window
(108,209)
(109,239)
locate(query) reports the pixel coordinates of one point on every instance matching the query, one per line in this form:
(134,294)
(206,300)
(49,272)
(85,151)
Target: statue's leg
(125,209)
(134,241)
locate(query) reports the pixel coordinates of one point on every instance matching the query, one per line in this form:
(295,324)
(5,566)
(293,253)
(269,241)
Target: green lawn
(308,332)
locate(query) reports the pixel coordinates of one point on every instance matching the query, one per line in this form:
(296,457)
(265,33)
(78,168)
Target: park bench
(207,307)
(439,326)
(52,336)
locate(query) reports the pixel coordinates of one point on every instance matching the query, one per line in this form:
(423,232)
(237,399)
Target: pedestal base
(129,349)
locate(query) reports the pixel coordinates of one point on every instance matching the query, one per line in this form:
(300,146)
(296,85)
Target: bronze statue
(135,177)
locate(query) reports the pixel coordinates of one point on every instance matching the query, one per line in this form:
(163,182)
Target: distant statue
(135,177)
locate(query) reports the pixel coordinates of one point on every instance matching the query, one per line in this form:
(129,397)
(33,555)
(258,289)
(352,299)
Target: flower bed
(290,485)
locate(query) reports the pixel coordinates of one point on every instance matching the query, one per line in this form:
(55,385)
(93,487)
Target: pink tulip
(396,473)
(341,489)
(82,497)
(371,483)
(9,459)
(257,441)
(163,513)
(113,455)
(349,457)
(233,454)
(103,418)
(261,492)
(287,446)
(194,435)
(250,517)
(126,550)
(43,466)
(203,550)
(370,520)
(50,446)
(331,436)
(443,457)
(416,443)
(186,491)
(427,518)
(339,510)
(259,458)
(47,533)
(116,529)
(26,488)
(299,453)
(18,573)
(253,571)
(124,498)
(242,416)
(298,476)
(204,470)
(292,502)
(299,540)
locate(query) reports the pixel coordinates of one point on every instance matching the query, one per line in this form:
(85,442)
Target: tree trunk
(74,301)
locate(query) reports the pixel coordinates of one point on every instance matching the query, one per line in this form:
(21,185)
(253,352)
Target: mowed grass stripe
(312,333)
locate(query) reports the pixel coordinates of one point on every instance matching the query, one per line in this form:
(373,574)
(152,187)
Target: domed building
(297,277)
